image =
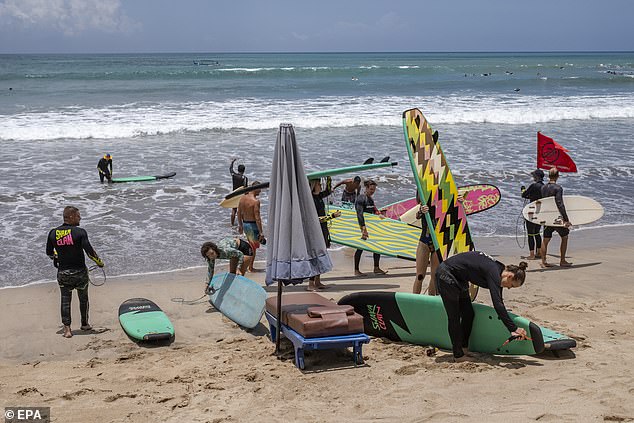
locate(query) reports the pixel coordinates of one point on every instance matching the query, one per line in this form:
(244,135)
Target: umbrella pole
(279,317)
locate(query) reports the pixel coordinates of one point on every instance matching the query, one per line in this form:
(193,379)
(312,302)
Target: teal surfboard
(143,320)
(422,320)
(238,298)
(349,169)
(143,178)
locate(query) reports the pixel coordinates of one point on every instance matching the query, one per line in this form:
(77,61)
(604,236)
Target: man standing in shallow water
(65,246)
(250,222)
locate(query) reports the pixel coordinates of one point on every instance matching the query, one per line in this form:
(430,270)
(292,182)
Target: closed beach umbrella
(296,249)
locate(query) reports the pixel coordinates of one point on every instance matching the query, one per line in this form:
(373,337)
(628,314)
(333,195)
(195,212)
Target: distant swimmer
(354,78)
(105,168)
(516,89)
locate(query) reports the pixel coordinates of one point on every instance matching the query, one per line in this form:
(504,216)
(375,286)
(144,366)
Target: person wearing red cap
(105,168)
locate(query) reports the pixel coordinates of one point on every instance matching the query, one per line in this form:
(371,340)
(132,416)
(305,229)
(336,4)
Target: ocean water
(157,113)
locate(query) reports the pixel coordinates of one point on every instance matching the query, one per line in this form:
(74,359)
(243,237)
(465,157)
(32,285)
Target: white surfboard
(580,210)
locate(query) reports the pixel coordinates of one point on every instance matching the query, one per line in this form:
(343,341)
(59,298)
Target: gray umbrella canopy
(296,249)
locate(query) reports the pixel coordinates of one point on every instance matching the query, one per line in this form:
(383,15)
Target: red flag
(550,154)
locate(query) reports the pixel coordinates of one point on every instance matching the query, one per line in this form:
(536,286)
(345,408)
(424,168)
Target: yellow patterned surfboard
(386,236)
(437,188)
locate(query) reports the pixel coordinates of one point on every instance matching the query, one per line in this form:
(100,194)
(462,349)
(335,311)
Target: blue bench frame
(301,344)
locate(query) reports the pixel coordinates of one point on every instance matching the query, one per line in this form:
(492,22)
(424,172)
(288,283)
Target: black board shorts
(245,248)
(549,230)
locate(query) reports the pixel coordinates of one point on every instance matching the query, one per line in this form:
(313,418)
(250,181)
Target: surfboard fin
(385,159)
(369,161)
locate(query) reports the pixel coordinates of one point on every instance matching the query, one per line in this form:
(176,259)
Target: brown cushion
(329,318)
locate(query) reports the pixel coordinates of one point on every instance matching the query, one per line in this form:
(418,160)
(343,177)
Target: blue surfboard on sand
(238,298)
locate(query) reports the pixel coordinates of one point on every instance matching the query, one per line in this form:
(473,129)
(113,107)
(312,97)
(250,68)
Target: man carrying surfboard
(351,190)
(250,221)
(553,189)
(533,230)
(365,204)
(239,180)
(452,279)
(65,245)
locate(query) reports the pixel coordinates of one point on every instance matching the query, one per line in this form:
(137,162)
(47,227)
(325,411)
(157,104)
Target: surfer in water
(105,167)
(365,204)
(250,221)
(351,190)
(236,250)
(320,206)
(553,189)
(533,230)
(452,280)
(239,180)
(65,245)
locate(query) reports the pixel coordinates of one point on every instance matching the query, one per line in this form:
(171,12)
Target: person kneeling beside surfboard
(452,281)
(236,250)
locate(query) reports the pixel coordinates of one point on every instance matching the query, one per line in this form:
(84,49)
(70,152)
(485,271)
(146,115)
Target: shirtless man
(250,222)
(351,190)
(553,189)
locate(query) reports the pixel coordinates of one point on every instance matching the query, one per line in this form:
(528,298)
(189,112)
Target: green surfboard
(142,178)
(143,320)
(349,169)
(422,320)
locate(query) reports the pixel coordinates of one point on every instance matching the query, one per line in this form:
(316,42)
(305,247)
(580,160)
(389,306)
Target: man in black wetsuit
(365,204)
(239,181)
(105,168)
(553,189)
(534,193)
(452,281)
(65,246)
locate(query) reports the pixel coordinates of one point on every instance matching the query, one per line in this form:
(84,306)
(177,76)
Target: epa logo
(27,414)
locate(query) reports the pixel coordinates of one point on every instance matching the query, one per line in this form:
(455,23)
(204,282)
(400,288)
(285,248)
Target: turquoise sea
(193,113)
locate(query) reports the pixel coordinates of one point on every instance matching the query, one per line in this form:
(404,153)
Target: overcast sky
(126,26)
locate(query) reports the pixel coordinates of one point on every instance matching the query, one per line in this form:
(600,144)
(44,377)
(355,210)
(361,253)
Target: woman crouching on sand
(452,281)
(236,250)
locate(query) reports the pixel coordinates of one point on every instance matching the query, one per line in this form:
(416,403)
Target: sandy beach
(215,371)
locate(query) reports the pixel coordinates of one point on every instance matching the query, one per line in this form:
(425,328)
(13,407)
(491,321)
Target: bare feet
(378,271)
(359,273)
(531,256)
(311,288)
(545,264)
(86,327)
(564,263)
(322,286)
(67,332)
(462,359)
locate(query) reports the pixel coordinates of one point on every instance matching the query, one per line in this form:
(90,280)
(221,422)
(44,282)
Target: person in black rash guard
(239,180)
(65,245)
(534,193)
(365,204)
(105,168)
(320,206)
(452,281)
(552,189)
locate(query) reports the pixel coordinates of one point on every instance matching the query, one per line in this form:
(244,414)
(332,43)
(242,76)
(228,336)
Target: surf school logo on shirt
(376,317)
(63,237)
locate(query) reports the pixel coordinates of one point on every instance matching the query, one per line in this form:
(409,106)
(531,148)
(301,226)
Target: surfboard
(232,199)
(386,236)
(143,178)
(476,199)
(143,320)
(238,298)
(436,187)
(350,169)
(580,210)
(422,320)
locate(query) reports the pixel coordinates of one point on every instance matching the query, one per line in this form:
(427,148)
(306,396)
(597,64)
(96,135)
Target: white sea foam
(140,119)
